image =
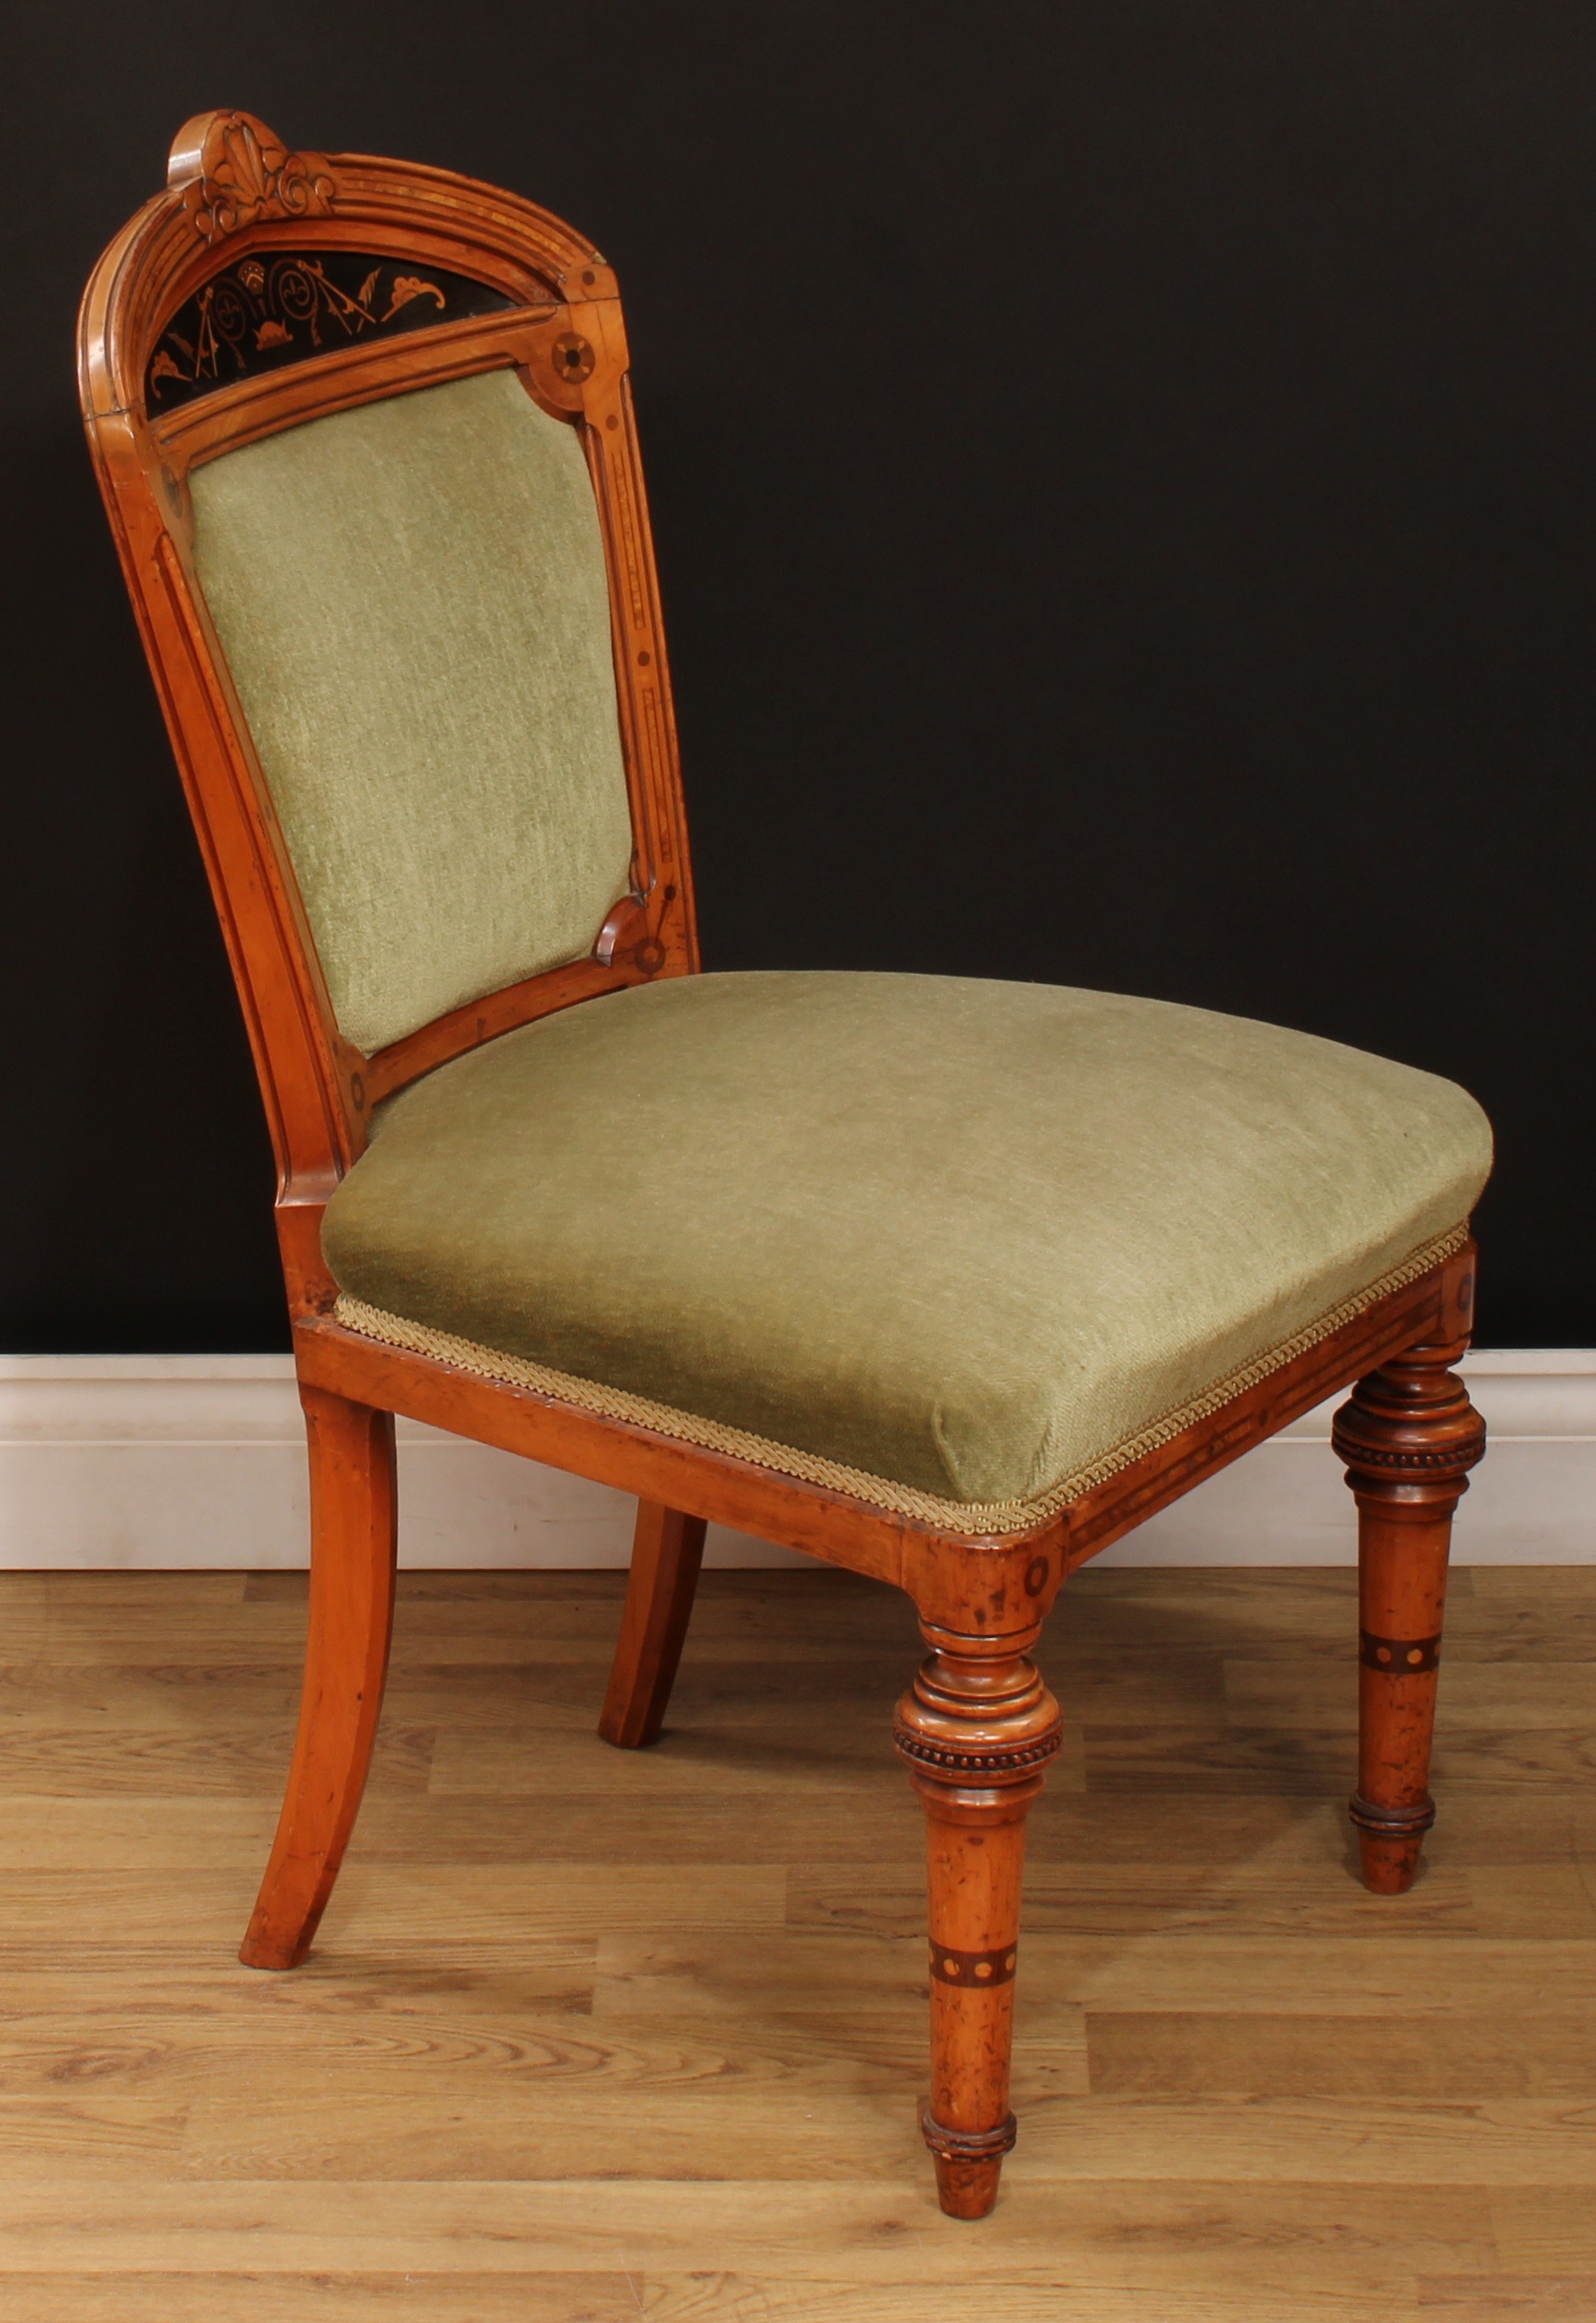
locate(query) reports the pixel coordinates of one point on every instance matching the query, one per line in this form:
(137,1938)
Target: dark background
(1123,480)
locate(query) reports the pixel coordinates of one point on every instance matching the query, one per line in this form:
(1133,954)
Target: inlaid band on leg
(967,2144)
(1399,1657)
(972,1970)
(1392,1823)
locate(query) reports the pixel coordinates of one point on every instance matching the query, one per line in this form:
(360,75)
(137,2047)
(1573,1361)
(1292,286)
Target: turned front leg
(1408,1435)
(977,1729)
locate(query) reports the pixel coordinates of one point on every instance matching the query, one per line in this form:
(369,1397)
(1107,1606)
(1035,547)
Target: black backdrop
(1122,473)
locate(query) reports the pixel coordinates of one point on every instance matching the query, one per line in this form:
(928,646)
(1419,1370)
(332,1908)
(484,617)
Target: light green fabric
(412,601)
(964,1236)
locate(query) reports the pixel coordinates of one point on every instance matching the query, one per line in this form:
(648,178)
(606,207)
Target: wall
(150,1461)
(1123,482)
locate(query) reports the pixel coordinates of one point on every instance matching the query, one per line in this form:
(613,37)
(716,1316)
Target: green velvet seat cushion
(412,601)
(966,1237)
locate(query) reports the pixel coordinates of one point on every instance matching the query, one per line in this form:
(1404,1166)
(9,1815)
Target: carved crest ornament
(246,172)
(265,308)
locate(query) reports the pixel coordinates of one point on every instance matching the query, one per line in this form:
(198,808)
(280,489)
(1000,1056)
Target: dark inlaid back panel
(274,308)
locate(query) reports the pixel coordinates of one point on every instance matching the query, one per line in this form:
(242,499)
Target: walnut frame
(233,188)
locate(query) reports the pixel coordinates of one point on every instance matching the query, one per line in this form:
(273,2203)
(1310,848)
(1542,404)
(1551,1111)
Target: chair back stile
(266,290)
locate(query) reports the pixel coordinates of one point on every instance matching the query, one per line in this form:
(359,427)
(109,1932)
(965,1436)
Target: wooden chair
(950,1283)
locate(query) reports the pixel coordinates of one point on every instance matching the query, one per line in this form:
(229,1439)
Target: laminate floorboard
(591,2036)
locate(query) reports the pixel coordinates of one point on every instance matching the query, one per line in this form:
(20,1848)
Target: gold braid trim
(812,1469)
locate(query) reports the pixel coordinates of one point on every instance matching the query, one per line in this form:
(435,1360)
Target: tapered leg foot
(668,1551)
(1387,1860)
(354,1514)
(977,1729)
(968,2168)
(1408,1435)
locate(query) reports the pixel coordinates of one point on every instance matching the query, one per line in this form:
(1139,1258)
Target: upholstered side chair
(950,1282)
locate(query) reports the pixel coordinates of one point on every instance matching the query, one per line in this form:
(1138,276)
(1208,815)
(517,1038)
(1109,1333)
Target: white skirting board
(153,1462)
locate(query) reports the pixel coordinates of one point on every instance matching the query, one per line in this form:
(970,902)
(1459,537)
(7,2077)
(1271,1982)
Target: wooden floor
(590,2036)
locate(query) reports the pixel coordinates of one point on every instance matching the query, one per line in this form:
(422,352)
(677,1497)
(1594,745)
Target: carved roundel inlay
(573,358)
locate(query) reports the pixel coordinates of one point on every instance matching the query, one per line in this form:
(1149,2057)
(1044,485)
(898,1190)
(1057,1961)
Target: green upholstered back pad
(411,599)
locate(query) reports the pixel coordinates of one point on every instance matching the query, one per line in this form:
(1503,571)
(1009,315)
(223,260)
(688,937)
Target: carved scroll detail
(246,172)
(626,935)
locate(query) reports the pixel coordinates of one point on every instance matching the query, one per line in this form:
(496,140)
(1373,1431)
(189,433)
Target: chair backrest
(365,436)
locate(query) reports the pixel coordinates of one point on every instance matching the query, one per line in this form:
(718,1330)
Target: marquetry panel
(274,308)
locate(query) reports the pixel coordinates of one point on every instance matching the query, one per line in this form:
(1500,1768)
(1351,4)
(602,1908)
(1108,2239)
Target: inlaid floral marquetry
(267,310)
